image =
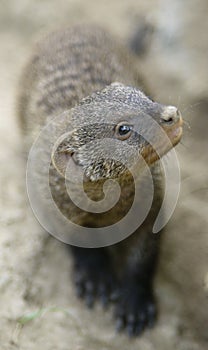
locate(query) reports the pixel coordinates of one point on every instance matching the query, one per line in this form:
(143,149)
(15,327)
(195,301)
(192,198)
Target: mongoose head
(111,128)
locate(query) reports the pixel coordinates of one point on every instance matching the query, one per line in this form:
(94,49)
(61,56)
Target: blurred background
(171,40)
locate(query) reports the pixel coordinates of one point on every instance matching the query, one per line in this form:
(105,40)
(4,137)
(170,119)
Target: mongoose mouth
(152,153)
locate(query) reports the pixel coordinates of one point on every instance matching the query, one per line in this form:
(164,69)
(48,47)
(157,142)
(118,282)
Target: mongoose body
(75,71)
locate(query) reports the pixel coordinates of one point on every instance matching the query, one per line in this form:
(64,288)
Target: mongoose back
(86,73)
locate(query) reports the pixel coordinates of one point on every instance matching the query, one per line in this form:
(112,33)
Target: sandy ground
(35,269)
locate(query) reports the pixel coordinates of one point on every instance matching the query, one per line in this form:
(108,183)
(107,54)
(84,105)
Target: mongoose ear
(62,153)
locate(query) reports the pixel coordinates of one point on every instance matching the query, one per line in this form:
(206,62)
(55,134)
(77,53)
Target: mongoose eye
(123,131)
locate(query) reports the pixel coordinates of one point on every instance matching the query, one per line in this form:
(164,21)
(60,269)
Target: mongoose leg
(136,308)
(93,275)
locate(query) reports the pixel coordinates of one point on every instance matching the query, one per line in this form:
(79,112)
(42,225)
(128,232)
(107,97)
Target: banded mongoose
(76,70)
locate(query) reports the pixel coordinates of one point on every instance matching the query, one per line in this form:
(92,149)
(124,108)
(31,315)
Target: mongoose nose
(170,115)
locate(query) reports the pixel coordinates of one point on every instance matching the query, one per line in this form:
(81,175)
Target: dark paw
(94,279)
(135,311)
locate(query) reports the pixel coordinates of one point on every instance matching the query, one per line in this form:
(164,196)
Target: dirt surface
(34,268)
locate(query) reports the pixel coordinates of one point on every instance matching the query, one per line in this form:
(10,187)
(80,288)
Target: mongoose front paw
(135,311)
(91,285)
(94,279)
